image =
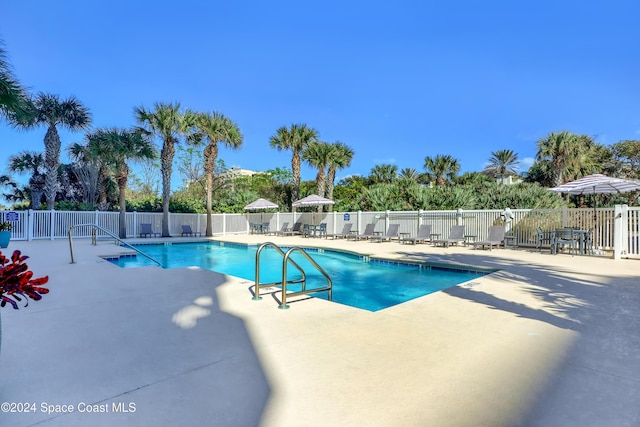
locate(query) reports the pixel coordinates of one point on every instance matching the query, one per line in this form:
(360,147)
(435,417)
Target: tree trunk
(210,155)
(166,159)
(122,217)
(295,168)
(320,185)
(51,162)
(331,177)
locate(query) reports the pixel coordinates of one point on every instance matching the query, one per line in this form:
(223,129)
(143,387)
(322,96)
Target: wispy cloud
(525,164)
(384,161)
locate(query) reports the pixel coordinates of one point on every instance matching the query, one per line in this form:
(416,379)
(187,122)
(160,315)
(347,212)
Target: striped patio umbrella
(597,184)
(312,200)
(260,205)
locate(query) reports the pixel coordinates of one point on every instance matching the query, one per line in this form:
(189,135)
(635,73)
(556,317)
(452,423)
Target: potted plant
(5,233)
(17,283)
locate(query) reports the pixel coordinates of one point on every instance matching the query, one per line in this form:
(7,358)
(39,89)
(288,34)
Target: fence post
(420,212)
(459,217)
(359,221)
(135,223)
(335,220)
(52,224)
(620,231)
(224,224)
(30,224)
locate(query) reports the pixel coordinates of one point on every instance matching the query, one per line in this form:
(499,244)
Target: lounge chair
(392,233)
(283,229)
(346,232)
(495,237)
(456,235)
(367,234)
(424,235)
(145,230)
(187,231)
(294,230)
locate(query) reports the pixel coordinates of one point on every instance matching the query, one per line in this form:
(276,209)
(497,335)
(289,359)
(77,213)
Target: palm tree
(13,97)
(502,163)
(51,111)
(339,158)
(409,174)
(214,128)
(317,155)
(30,162)
(168,123)
(441,169)
(568,156)
(296,138)
(383,174)
(92,170)
(115,146)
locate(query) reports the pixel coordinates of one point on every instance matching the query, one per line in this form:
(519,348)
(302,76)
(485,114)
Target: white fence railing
(616,229)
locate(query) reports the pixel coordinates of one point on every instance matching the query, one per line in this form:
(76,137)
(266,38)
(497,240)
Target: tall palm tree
(51,111)
(441,169)
(339,158)
(168,123)
(383,174)
(115,146)
(296,138)
(30,162)
(317,155)
(214,128)
(502,163)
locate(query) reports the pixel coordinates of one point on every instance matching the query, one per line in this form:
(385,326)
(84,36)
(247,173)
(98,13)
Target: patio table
(313,228)
(579,236)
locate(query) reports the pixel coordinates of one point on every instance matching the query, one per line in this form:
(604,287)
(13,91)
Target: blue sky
(396,81)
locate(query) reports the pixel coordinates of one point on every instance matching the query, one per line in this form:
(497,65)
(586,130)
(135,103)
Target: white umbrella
(598,184)
(260,204)
(312,200)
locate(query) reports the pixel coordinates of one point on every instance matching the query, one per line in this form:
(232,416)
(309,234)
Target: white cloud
(525,164)
(384,161)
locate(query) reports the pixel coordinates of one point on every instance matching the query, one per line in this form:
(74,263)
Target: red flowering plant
(17,282)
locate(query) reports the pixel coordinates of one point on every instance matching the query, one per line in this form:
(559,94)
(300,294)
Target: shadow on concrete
(598,382)
(130,347)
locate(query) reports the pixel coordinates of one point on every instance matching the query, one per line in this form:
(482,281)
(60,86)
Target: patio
(546,341)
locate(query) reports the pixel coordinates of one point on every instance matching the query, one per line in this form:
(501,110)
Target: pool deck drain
(547,340)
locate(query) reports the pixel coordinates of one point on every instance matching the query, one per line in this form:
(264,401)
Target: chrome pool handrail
(304,291)
(93,241)
(258,285)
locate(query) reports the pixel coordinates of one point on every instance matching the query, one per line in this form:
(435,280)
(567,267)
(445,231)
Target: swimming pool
(369,284)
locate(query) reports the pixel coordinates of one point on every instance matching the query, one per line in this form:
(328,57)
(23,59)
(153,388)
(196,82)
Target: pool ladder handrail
(94,240)
(286,259)
(259,285)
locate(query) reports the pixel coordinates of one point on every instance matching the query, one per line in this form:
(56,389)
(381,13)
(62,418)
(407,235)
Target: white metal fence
(616,229)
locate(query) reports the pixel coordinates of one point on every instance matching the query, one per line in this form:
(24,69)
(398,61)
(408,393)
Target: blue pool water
(372,285)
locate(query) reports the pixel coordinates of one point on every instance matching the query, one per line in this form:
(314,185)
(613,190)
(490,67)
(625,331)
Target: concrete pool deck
(545,341)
